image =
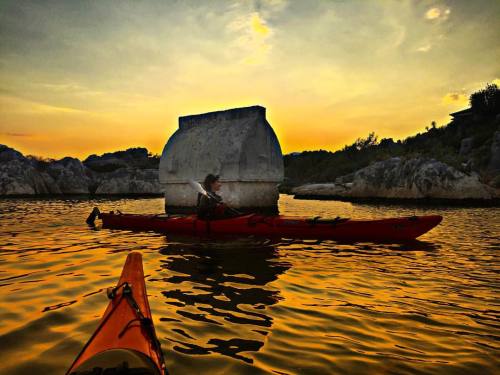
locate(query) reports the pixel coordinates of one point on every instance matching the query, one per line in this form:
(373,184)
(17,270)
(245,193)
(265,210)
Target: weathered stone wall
(243,194)
(237,144)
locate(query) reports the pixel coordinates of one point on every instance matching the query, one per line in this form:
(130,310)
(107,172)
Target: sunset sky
(84,77)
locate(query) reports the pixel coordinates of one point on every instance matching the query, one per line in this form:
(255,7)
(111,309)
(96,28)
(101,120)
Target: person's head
(212,183)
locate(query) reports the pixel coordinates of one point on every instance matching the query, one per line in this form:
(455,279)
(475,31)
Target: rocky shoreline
(130,172)
(134,173)
(405,180)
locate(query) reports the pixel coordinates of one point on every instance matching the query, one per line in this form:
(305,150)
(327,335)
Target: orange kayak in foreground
(125,341)
(339,229)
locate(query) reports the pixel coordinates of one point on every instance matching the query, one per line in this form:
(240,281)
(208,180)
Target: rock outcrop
(399,178)
(132,158)
(123,172)
(18,175)
(69,175)
(129,181)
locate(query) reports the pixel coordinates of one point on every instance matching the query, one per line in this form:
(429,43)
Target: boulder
(18,175)
(398,178)
(70,176)
(129,181)
(13,180)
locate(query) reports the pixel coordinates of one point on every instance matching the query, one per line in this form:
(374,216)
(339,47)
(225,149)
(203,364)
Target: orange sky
(79,78)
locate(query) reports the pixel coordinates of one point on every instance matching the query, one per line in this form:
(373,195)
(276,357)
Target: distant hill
(467,143)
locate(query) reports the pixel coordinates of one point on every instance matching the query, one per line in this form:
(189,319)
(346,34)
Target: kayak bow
(125,341)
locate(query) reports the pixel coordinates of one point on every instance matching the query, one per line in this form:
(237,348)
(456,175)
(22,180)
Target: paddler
(210,206)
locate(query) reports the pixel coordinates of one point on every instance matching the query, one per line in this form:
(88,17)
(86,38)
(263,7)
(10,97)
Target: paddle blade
(197,186)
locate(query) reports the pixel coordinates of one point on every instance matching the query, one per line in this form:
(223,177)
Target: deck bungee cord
(118,345)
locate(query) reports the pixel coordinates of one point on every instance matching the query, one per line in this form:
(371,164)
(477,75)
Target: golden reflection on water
(251,305)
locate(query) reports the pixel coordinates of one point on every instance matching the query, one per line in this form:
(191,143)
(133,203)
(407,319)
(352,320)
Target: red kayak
(395,229)
(125,340)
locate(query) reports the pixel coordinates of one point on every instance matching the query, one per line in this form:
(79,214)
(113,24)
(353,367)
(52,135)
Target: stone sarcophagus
(237,144)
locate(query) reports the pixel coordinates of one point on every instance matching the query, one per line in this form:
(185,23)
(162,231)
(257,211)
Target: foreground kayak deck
(125,340)
(393,229)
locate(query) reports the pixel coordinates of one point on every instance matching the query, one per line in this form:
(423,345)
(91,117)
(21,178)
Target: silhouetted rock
(70,176)
(399,178)
(495,153)
(20,175)
(106,165)
(137,157)
(9,154)
(129,181)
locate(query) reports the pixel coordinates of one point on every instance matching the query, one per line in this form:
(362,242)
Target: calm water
(250,306)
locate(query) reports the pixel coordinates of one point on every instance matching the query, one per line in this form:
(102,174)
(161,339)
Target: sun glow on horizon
(100,78)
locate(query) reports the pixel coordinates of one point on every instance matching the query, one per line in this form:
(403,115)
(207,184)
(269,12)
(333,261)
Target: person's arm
(215,197)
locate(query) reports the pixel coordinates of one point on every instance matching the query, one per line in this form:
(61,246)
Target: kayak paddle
(197,187)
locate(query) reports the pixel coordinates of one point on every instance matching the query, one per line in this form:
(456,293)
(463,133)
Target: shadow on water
(224,286)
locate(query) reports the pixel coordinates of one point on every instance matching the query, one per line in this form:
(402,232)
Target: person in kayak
(210,206)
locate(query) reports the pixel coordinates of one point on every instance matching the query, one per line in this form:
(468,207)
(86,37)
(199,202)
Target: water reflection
(223,284)
(295,307)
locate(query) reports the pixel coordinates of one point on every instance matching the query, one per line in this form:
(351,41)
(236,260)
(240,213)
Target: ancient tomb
(237,144)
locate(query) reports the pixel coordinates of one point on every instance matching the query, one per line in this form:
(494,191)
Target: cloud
(17,134)
(270,7)
(136,66)
(60,86)
(254,39)
(50,109)
(437,13)
(455,98)
(425,48)
(259,25)
(69,89)
(23,106)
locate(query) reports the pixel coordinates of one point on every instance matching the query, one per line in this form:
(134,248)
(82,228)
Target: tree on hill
(364,143)
(486,101)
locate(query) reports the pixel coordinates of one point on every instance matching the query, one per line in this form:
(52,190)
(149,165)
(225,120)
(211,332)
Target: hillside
(468,143)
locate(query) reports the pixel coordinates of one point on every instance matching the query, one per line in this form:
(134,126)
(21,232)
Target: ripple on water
(256,306)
